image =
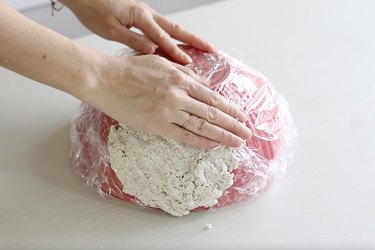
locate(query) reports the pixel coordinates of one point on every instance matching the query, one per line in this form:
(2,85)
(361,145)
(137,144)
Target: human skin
(146,92)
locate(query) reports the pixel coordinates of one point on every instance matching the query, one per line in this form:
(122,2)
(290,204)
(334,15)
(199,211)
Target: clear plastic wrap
(263,159)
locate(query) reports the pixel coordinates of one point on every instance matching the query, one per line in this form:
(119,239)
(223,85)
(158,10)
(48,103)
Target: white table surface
(319,53)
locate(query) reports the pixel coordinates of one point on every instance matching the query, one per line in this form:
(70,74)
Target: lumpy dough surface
(169,175)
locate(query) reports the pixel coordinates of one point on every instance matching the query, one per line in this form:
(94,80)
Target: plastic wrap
(263,159)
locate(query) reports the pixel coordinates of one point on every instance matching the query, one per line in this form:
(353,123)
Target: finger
(202,127)
(189,138)
(136,41)
(212,98)
(179,33)
(216,117)
(152,30)
(192,75)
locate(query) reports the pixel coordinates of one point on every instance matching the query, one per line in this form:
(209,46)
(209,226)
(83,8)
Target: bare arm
(43,55)
(146,92)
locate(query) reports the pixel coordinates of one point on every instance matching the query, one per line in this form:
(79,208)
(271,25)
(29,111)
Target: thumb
(135,41)
(193,75)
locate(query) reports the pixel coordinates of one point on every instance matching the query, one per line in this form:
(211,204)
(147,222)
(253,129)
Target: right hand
(114,19)
(153,94)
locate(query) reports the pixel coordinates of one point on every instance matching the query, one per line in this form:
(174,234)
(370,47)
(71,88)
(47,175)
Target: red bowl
(269,120)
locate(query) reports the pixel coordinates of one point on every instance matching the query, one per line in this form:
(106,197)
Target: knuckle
(142,15)
(212,113)
(132,40)
(175,27)
(185,136)
(214,99)
(190,72)
(172,96)
(191,139)
(184,70)
(140,11)
(166,93)
(177,76)
(227,137)
(135,12)
(235,126)
(188,86)
(225,134)
(230,138)
(163,36)
(201,124)
(231,110)
(187,71)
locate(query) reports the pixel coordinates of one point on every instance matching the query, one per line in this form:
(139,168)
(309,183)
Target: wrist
(100,78)
(87,79)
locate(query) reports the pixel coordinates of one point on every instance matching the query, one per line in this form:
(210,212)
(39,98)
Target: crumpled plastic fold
(263,160)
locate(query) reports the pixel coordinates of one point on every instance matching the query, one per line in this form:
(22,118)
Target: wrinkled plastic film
(264,158)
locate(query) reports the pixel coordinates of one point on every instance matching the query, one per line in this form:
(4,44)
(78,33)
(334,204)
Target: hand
(153,94)
(146,92)
(113,19)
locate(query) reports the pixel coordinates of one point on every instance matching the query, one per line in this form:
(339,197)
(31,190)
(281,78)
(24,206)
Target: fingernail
(237,141)
(249,133)
(243,117)
(185,56)
(188,59)
(212,47)
(243,143)
(151,49)
(214,145)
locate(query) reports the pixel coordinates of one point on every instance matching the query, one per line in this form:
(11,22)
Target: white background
(320,54)
(26,4)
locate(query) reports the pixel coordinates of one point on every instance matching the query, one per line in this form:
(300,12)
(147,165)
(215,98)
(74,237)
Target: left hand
(113,19)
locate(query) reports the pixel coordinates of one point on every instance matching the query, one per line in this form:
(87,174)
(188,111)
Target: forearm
(44,55)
